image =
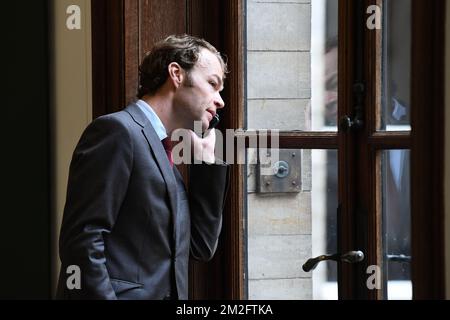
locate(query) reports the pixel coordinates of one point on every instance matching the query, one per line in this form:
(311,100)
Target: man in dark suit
(129,224)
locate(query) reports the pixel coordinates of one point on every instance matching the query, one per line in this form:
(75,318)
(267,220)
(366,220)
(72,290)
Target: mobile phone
(214,122)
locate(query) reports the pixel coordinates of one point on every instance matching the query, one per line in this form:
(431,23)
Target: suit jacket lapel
(161,158)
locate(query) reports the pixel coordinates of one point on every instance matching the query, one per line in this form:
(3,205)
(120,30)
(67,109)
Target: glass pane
(287,223)
(396,224)
(396,66)
(324,222)
(292,65)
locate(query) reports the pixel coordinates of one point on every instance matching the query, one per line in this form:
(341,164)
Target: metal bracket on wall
(282,175)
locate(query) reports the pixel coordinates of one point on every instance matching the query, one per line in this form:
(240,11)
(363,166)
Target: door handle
(347,123)
(349,257)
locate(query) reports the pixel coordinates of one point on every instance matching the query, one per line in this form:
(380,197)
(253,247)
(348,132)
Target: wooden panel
(158,19)
(234,118)
(122,32)
(108,90)
(223,277)
(204,20)
(390,140)
(346,147)
(292,139)
(427,152)
(207,280)
(131,43)
(147,22)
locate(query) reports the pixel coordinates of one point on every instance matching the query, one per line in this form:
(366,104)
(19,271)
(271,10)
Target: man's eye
(213,84)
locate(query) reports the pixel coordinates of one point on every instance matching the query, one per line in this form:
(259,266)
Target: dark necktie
(168,147)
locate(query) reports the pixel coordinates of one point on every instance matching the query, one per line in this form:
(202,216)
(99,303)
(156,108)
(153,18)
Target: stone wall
(279,97)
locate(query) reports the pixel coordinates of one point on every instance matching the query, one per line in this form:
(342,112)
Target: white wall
(71,100)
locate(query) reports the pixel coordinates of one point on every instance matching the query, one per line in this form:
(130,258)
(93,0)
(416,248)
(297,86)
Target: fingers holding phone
(203,148)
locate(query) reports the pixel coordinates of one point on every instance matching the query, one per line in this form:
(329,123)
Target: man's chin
(200,124)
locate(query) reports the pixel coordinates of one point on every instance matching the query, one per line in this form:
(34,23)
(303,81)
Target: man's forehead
(210,62)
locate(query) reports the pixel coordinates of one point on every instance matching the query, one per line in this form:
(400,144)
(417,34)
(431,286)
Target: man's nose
(218,101)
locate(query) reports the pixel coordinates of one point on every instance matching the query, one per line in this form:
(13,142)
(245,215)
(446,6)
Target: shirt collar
(153,118)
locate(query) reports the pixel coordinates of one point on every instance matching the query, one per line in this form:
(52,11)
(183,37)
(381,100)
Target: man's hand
(203,148)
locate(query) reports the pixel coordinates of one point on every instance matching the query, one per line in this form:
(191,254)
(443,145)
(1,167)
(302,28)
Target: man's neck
(162,106)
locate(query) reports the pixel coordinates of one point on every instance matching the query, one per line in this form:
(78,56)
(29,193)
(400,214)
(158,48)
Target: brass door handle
(349,257)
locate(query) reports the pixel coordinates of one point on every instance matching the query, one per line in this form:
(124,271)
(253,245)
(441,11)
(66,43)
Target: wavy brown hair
(182,49)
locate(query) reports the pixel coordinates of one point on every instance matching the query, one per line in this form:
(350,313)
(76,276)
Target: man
(129,224)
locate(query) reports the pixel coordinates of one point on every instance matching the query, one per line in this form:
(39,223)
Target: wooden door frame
(107,24)
(426,143)
(427,152)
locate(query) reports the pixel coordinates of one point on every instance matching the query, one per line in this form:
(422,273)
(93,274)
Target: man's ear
(176,74)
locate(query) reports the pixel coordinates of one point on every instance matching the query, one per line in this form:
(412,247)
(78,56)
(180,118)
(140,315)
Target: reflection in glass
(324,65)
(291,65)
(396,224)
(396,69)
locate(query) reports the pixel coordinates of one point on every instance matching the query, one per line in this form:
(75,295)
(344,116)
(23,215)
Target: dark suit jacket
(128,222)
